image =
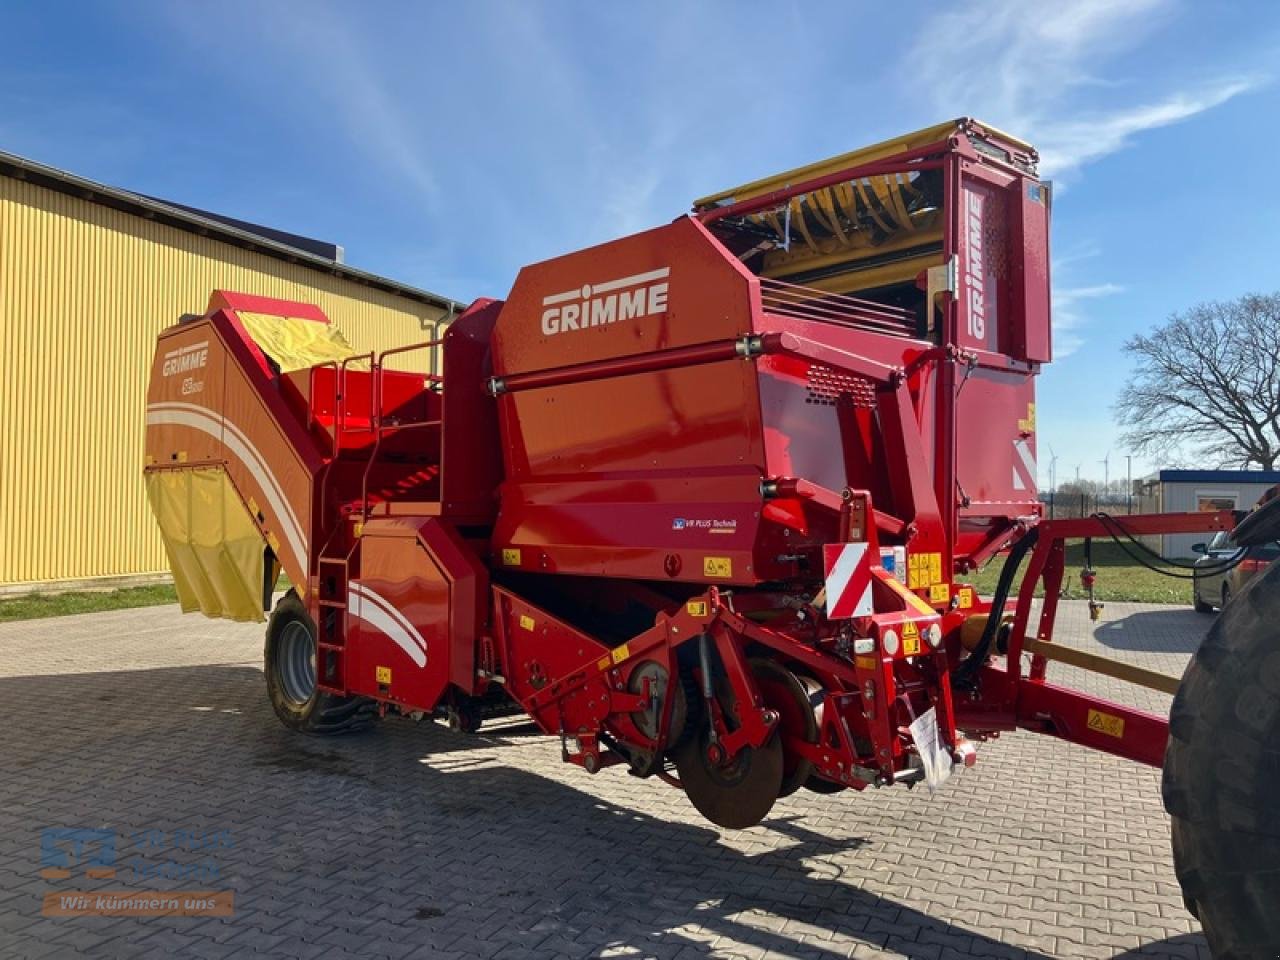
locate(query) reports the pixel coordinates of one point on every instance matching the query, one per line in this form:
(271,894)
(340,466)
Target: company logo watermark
(149,857)
(705,524)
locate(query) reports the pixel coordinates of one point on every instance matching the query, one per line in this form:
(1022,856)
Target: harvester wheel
(289,659)
(1222,776)
(792,697)
(736,793)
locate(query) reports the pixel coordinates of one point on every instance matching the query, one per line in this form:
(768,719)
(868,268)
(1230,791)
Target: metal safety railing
(377,426)
(807,303)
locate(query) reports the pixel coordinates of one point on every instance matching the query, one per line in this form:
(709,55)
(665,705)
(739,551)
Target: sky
(446,145)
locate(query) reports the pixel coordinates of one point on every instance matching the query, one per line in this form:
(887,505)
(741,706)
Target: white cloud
(321,56)
(1069,315)
(1035,71)
(1067,146)
(1040,73)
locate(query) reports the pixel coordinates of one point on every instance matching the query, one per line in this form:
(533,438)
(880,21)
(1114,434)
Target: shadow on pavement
(403,840)
(1175,630)
(1190,946)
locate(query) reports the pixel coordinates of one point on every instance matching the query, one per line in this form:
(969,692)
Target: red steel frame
(1015,696)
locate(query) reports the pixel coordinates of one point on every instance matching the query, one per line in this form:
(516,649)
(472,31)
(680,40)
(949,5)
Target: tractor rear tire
(1222,776)
(291,677)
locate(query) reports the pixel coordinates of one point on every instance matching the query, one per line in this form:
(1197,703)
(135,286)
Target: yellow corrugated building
(88,276)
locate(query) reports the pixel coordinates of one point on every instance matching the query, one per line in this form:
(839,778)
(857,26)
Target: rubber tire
(1222,776)
(818,784)
(1200,605)
(324,714)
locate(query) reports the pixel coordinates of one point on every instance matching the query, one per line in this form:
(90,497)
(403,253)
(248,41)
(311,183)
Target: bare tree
(1207,383)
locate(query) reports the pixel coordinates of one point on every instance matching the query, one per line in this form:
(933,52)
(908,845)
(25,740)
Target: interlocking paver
(409,841)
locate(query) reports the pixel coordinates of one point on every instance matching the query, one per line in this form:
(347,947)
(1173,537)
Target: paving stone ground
(411,841)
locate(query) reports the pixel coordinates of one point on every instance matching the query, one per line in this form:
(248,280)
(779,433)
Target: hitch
(1088,578)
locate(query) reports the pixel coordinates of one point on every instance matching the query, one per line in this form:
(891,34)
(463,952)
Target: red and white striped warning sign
(1024,465)
(847,567)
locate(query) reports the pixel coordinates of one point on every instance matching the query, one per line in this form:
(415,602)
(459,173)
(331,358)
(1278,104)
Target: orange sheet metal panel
(84,290)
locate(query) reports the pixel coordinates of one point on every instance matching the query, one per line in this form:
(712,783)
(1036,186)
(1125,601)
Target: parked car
(1214,587)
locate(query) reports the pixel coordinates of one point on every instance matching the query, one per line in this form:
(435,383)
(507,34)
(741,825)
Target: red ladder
(331,626)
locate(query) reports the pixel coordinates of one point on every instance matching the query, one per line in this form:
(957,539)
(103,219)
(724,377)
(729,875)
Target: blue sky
(446,145)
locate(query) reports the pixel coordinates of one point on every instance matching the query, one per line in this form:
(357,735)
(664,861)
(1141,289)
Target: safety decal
(910,639)
(923,570)
(717,567)
(848,578)
(1024,465)
(1107,723)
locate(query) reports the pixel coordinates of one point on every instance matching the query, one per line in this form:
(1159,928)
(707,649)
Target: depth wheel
(1222,776)
(818,784)
(792,697)
(736,793)
(289,662)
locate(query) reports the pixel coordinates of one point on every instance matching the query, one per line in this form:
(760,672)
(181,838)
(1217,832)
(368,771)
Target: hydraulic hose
(1112,524)
(967,672)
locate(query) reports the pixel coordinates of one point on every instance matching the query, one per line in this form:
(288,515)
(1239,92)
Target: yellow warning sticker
(866,663)
(526,621)
(604,663)
(965,596)
(1029,425)
(924,570)
(1107,723)
(910,639)
(383,675)
(940,593)
(717,567)
(511,557)
(620,653)
(696,608)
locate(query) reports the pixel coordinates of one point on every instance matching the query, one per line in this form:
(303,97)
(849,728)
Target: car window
(1267,552)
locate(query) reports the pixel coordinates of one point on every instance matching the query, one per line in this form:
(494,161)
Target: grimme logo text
(974,269)
(594,305)
(186,358)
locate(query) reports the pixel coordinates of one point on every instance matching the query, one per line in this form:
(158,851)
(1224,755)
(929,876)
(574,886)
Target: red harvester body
(699,500)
